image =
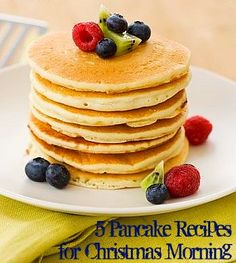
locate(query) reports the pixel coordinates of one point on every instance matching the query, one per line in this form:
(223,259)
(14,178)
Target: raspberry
(197,129)
(182,180)
(87,35)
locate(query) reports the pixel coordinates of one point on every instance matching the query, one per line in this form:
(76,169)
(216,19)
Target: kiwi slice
(124,42)
(155,177)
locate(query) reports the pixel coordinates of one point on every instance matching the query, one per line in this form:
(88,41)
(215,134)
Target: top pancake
(55,57)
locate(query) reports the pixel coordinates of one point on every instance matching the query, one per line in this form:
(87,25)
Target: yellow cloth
(27,232)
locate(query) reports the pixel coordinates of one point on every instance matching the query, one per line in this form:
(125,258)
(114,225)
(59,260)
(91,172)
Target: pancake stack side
(110,122)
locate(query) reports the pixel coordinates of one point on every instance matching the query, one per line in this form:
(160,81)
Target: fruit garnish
(140,30)
(182,180)
(156,191)
(157,194)
(87,35)
(106,48)
(57,175)
(40,170)
(124,41)
(197,129)
(117,23)
(36,169)
(154,177)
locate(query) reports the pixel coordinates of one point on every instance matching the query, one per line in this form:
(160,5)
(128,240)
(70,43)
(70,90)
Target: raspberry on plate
(197,129)
(182,180)
(87,35)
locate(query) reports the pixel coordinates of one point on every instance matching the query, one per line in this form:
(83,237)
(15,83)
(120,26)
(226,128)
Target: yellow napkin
(27,232)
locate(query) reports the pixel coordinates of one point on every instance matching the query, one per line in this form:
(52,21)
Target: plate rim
(121,212)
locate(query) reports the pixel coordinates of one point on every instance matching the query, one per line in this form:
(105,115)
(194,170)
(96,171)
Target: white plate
(209,95)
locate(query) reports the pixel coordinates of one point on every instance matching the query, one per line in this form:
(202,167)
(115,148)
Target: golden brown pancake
(110,122)
(100,101)
(112,181)
(134,118)
(126,163)
(56,58)
(117,133)
(46,133)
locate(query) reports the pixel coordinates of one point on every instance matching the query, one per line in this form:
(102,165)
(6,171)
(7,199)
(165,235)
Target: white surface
(209,95)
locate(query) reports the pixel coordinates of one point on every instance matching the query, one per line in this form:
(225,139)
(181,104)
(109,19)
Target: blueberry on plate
(157,193)
(106,48)
(140,30)
(36,169)
(57,175)
(117,23)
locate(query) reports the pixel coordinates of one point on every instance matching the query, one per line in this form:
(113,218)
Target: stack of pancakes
(110,122)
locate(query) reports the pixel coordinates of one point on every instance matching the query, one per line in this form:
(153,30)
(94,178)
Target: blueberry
(57,175)
(140,30)
(157,193)
(106,48)
(36,169)
(117,23)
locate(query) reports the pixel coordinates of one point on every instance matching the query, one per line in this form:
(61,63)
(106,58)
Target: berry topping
(197,129)
(124,42)
(157,193)
(106,48)
(182,180)
(87,35)
(117,23)
(57,175)
(140,30)
(36,169)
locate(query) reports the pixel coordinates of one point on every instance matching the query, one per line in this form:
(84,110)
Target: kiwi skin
(155,177)
(124,42)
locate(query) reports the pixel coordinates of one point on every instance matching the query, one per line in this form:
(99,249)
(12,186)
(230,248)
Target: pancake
(112,181)
(133,118)
(46,133)
(56,58)
(126,163)
(101,101)
(117,133)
